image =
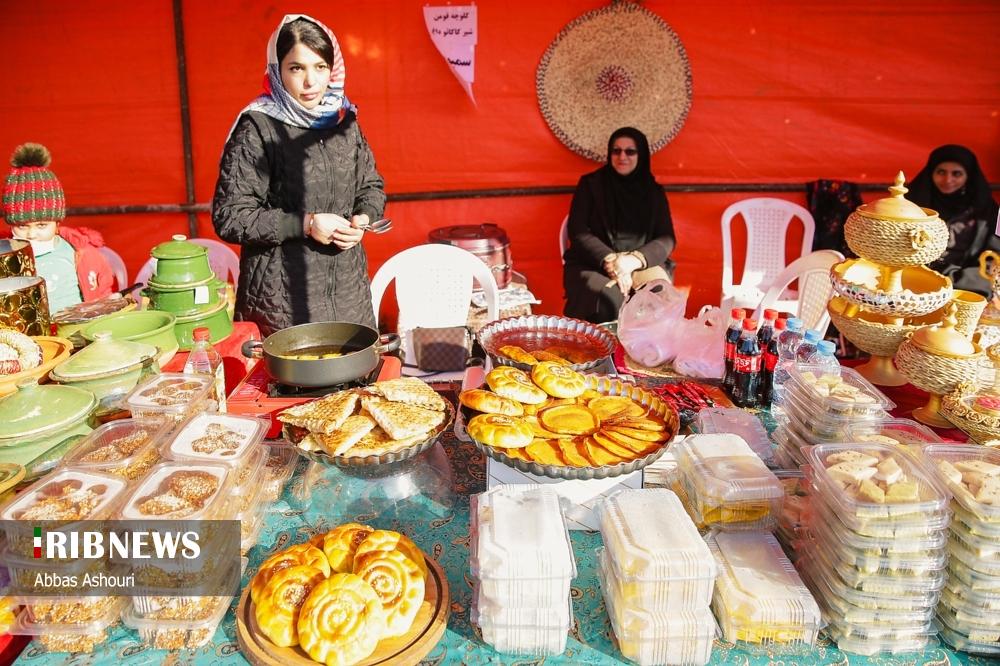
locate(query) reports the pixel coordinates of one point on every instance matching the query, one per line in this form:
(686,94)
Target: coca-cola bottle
(769,362)
(732,336)
(766,328)
(746,366)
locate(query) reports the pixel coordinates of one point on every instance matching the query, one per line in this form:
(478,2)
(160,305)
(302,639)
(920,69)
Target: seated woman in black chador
(620,231)
(953,184)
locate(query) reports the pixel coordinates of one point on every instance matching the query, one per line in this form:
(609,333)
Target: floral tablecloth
(442,531)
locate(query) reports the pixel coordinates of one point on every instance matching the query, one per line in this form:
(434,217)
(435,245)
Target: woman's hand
(326,228)
(347,237)
(623,266)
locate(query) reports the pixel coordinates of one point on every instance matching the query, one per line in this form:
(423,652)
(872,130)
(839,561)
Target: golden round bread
(341,621)
(514,384)
(540,432)
(545,452)
(277,608)
(501,431)
(569,419)
(300,554)
(515,353)
(489,402)
(385,540)
(399,583)
(342,542)
(559,381)
(617,406)
(543,355)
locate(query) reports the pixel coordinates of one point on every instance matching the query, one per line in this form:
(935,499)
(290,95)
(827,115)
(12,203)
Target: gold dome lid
(896,207)
(943,340)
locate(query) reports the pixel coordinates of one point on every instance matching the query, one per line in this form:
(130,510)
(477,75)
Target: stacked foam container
(876,554)
(522,565)
(759,598)
(823,405)
(656,576)
(725,485)
(968,616)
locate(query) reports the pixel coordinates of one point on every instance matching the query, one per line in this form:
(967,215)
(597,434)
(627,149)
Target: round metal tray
(606,386)
(295,435)
(536,332)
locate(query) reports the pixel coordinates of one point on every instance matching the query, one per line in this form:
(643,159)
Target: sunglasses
(631,152)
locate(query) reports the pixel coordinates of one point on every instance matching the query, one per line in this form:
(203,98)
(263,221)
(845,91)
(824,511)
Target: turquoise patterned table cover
(444,535)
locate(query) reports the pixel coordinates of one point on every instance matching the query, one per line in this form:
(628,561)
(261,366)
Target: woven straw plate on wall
(615,66)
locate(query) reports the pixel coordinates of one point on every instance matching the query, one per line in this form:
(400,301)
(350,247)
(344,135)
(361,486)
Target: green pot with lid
(108,367)
(37,419)
(151,327)
(179,263)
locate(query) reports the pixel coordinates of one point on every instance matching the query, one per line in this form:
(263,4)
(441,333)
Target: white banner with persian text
(453,30)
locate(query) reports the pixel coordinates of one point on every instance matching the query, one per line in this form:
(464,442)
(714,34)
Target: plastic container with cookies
(127,448)
(963,642)
(221,438)
(169,629)
(870,640)
(972,474)
(871,562)
(171,397)
(907,433)
(738,422)
(656,556)
(523,631)
(988,600)
(840,392)
(729,487)
(819,427)
(851,613)
(823,581)
(75,637)
(180,491)
(278,468)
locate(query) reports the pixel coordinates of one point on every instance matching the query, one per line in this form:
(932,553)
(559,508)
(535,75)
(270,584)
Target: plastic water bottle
(788,344)
(824,355)
(204,359)
(808,346)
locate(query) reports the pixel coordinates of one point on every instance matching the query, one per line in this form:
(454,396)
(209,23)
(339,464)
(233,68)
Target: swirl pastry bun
(340,544)
(398,583)
(301,554)
(503,432)
(489,403)
(559,381)
(386,540)
(513,384)
(277,608)
(341,621)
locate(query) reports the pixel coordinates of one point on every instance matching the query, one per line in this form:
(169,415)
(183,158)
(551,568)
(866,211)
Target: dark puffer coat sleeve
(239,211)
(370,197)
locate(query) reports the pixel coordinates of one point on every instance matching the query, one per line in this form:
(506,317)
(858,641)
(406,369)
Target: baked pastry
(545,452)
(514,384)
(500,431)
(515,353)
(324,415)
(350,433)
(195,487)
(559,381)
(489,403)
(616,406)
(378,442)
(569,419)
(410,390)
(384,540)
(542,355)
(298,555)
(340,544)
(399,583)
(277,606)
(400,420)
(341,621)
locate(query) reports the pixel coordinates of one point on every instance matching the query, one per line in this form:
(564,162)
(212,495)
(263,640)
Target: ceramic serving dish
(38,418)
(107,367)
(151,327)
(586,344)
(54,352)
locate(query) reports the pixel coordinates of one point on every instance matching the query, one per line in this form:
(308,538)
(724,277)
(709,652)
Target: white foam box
(583,496)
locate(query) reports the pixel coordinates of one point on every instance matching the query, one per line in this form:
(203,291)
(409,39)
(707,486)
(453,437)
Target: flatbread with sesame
(324,415)
(411,391)
(400,420)
(350,433)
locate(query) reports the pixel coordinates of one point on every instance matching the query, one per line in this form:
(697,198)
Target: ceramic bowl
(218,321)
(107,367)
(179,263)
(152,327)
(37,419)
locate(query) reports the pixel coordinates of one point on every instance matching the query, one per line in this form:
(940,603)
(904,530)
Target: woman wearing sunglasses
(620,231)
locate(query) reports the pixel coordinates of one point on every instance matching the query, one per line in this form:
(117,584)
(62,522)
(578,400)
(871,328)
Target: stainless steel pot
(359,345)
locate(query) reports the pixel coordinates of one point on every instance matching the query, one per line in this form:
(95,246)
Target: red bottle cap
(780,324)
(784,315)
(770,315)
(749,324)
(737,313)
(201,333)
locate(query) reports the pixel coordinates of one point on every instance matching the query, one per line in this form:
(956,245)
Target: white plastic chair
(815,289)
(117,265)
(224,262)
(434,289)
(146,271)
(767,223)
(563,238)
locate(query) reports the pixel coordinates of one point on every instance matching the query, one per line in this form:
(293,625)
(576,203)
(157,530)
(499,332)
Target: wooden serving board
(405,650)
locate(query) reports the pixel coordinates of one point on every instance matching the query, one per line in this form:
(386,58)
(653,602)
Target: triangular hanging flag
(453,31)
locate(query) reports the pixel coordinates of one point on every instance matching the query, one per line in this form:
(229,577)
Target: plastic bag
(700,344)
(646,321)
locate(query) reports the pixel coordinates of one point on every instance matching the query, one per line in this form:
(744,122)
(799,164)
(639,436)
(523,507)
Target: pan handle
(253,349)
(388,342)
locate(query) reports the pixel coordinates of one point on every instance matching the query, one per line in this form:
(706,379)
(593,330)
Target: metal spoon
(379,226)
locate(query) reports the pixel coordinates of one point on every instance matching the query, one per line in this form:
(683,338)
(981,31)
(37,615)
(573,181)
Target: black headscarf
(974,195)
(630,198)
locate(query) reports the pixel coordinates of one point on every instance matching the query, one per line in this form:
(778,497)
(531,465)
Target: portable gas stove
(261,395)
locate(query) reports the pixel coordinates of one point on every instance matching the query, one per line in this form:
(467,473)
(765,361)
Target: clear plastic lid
(836,391)
(68,494)
(658,595)
(862,599)
(821,427)
(973,523)
(125,448)
(973,580)
(872,561)
(984,599)
(868,647)
(905,432)
(26,626)
(169,394)
(984,548)
(178,490)
(213,437)
(964,643)
(839,605)
(735,421)
(166,633)
(526,593)
(485,613)
(649,536)
(724,467)
(758,583)
(519,532)
(971,473)
(960,551)
(911,587)
(969,615)
(866,483)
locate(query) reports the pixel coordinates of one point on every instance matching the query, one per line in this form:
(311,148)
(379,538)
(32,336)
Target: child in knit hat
(68,258)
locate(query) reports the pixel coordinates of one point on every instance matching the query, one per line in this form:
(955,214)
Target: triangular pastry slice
(400,420)
(350,433)
(410,390)
(378,442)
(324,415)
